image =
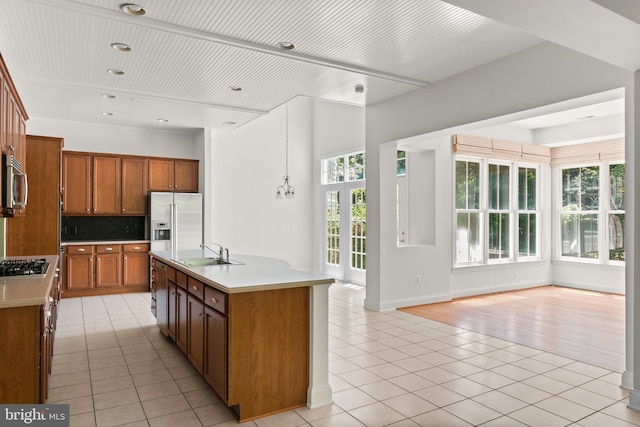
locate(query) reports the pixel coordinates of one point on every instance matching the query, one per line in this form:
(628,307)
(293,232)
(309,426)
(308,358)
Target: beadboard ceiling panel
(187,54)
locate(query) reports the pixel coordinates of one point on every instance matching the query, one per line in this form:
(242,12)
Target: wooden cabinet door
(181,320)
(106,185)
(195,332)
(186,176)
(76,184)
(79,271)
(172,313)
(134,188)
(135,267)
(160,175)
(215,360)
(107,270)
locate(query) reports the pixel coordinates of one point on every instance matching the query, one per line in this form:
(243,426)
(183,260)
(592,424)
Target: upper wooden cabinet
(76,183)
(173,175)
(106,185)
(109,184)
(13,119)
(134,186)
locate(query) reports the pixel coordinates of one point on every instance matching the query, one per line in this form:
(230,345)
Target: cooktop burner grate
(23,267)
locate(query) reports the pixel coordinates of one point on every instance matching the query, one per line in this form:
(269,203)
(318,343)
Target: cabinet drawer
(196,287)
(108,249)
(136,247)
(181,279)
(79,249)
(171,274)
(215,299)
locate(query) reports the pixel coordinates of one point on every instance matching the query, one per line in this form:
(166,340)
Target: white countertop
(24,291)
(255,273)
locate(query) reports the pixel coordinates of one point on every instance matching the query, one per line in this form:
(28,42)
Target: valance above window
(611,150)
(471,145)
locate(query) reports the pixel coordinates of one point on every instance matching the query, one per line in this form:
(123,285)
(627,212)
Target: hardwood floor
(581,325)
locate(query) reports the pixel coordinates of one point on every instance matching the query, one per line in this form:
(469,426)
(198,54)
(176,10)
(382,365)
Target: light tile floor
(113,367)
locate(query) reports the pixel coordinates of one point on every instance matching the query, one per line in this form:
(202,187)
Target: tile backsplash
(97,228)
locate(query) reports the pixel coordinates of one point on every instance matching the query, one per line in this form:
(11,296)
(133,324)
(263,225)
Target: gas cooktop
(23,267)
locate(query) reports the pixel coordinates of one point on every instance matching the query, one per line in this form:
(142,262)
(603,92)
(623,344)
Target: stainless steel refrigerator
(175,221)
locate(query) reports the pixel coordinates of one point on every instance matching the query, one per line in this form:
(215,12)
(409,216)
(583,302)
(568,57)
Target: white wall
(248,164)
(117,139)
(490,95)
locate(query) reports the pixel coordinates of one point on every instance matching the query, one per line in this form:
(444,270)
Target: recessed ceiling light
(106,113)
(163,120)
(108,95)
(286,45)
(115,71)
(122,47)
(228,123)
(235,88)
(132,9)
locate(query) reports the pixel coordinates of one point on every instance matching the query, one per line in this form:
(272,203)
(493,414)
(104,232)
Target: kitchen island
(28,312)
(255,329)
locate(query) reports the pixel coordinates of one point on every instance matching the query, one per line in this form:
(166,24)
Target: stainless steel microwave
(15,188)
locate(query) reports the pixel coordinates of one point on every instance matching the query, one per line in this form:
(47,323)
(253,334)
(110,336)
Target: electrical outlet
(418,279)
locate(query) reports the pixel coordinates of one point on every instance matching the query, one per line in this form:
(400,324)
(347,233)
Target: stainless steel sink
(199,262)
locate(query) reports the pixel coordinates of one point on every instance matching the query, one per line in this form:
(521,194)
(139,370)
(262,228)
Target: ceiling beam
(167,27)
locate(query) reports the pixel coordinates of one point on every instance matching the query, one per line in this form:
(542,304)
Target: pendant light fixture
(285,189)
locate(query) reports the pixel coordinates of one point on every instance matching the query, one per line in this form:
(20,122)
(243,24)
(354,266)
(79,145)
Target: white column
(319,392)
(632,134)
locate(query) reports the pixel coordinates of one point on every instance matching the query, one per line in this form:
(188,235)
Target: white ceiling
(187,54)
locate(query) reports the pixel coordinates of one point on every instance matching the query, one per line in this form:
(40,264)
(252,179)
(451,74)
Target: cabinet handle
(195,288)
(214,300)
(122,209)
(80,249)
(125,258)
(87,209)
(173,293)
(95,209)
(108,249)
(202,315)
(136,248)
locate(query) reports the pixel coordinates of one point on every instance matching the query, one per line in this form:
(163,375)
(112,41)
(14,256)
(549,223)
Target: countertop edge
(35,300)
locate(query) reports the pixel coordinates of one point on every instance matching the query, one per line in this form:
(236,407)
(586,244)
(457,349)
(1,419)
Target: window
(616,215)
(499,212)
(468,216)
(527,213)
(580,208)
(401,164)
(497,215)
(349,167)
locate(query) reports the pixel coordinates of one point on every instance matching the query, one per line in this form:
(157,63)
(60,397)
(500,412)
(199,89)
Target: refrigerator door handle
(174,226)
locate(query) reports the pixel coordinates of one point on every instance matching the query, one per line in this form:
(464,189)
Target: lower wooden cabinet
(105,269)
(252,348)
(26,350)
(214,369)
(195,332)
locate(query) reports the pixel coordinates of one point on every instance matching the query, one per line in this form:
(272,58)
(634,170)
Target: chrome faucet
(220,252)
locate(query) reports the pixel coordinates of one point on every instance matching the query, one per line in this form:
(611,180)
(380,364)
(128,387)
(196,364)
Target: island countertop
(247,273)
(25,290)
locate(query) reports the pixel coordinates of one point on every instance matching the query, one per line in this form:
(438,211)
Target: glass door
(346,232)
